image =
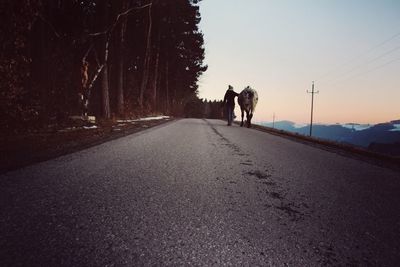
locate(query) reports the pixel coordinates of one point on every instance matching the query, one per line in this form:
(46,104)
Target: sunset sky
(351,48)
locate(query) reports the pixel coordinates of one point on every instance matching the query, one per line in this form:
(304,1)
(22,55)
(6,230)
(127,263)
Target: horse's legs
(241,124)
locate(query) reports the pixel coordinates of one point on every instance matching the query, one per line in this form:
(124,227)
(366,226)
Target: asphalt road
(197,192)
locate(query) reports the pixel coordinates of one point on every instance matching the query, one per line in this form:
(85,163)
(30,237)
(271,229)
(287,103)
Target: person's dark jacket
(229,97)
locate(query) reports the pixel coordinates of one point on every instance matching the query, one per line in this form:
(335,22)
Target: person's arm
(225,97)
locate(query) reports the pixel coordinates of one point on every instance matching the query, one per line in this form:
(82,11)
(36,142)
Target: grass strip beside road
(339,148)
(17,151)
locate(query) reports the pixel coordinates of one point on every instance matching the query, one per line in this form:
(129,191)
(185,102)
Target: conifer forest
(103,58)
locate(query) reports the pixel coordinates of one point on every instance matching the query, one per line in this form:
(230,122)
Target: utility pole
(312,105)
(273,121)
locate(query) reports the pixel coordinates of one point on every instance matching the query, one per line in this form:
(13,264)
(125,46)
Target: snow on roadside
(127,121)
(144,119)
(153,118)
(121,123)
(74,128)
(90,127)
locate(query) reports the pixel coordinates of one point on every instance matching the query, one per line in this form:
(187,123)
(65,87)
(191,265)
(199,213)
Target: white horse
(247,100)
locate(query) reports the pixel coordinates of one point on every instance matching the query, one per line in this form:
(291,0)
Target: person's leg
(229,115)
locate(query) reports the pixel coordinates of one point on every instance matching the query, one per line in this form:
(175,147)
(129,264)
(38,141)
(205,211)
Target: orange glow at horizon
(278,49)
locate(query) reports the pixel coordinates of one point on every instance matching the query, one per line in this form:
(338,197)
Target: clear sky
(351,48)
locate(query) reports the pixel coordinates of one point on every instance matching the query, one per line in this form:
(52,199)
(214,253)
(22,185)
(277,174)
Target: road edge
(46,155)
(359,153)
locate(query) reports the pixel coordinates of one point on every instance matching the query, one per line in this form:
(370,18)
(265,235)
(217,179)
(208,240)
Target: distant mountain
(356,126)
(379,133)
(281,125)
(331,132)
(380,137)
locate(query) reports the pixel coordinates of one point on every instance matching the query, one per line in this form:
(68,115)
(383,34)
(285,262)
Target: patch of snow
(91,119)
(152,118)
(357,127)
(300,125)
(396,128)
(144,119)
(122,121)
(90,127)
(270,123)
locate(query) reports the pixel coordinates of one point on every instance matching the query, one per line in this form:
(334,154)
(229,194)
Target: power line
(358,56)
(273,121)
(367,71)
(365,63)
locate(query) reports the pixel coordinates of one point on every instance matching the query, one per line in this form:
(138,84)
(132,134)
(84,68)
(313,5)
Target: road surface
(197,192)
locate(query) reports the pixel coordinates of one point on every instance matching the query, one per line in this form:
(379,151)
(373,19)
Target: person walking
(229,102)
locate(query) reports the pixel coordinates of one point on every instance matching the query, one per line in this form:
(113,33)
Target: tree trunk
(156,70)
(104,81)
(84,103)
(159,88)
(120,74)
(146,64)
(105,93)
(167,86)
(120,82)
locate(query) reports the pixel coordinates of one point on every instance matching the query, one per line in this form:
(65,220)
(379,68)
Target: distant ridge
(381,137)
